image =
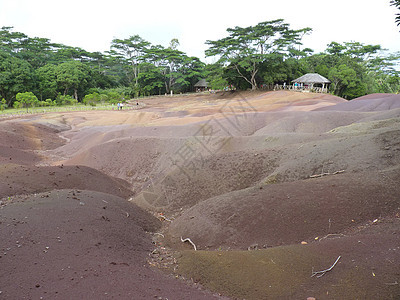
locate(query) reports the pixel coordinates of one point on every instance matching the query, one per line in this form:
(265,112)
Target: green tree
(15,76)
(214,75)
(130,51)
(384,76)
(27,99)
(396,3)
(168,61)
(179,72)
(173,44)
(63,53)
(354,68)
(3,104)
(151,80)
(65,100)
(91,99)
(192,70)
(73,75)
(10,41)
(246,49)
(101,66)
(36,51)
(343,77)
(47,81)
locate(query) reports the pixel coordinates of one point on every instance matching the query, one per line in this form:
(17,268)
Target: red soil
(232,171)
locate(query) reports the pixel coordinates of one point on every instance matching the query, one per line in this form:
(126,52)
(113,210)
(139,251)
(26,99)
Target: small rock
(304,243)
(253,247)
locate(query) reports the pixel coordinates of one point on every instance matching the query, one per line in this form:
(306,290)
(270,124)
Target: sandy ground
(269,186)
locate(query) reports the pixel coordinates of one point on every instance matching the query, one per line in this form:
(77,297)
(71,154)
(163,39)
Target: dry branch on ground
(319,274)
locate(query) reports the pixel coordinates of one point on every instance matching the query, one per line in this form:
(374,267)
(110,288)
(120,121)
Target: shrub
(51,102)
(91,99)
(114,95)
(103,98)
(27,99)
(17,104)
(65,100)
(3,104)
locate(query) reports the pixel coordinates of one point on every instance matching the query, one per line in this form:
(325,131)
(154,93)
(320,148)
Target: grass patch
(272,179)
(10,112)
(275,273)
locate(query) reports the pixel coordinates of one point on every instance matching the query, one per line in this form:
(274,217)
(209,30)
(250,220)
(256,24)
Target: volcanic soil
(242,195)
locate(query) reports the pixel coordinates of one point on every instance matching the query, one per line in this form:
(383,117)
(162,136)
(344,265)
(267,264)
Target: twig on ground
(325,174)
(333,235)
(393,283)
(190,241)
(319,274)
(164,217)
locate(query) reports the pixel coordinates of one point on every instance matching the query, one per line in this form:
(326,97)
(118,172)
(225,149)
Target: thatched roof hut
(312,78)
(201,85)
(311,81)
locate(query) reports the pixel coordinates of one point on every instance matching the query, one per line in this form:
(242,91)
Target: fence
(21,112)
(298,88)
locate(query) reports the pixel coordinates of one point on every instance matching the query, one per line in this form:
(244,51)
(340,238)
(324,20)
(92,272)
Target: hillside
(269,186)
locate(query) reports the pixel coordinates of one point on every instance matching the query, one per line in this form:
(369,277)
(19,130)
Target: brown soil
(17,180)
(73,244)
(18,139)
(367,267)
(291,212)
(82,195)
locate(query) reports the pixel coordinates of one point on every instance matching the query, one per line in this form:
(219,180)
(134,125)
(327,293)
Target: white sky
(92,24)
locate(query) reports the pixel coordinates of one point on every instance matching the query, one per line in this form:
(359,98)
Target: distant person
(119,106)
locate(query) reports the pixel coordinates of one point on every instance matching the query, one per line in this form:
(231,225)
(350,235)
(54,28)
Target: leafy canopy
(27,99)
(245,49)
(396,3)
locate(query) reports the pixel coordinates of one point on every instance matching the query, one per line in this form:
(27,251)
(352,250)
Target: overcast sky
(92,25)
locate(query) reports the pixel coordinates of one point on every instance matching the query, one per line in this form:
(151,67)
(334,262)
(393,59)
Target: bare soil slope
(263,171)
(19,180)
(73,244)
(367,267)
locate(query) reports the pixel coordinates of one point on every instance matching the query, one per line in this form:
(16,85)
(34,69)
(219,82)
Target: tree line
(248,58)
(58,74)
(271,53)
